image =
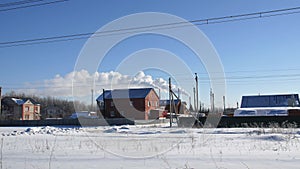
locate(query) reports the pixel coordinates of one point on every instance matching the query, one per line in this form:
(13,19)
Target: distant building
(269,105)
(229,111)
(129,103)
(84,114)
(20,109)
(166,103)
(181,107)
(53,112)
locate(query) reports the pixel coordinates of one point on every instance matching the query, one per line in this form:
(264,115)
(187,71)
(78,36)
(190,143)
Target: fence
(68,122)
(255,121)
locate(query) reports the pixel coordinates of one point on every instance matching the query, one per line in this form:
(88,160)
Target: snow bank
(42,130)
(148,147)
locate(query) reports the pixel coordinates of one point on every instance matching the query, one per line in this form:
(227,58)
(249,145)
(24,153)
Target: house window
(149,104)
(36,109)
(26,117)
(112,114)
(26,109)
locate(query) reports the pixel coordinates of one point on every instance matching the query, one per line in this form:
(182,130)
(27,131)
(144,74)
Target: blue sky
(264,47)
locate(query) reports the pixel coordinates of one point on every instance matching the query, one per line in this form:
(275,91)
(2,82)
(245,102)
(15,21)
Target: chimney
(159,94)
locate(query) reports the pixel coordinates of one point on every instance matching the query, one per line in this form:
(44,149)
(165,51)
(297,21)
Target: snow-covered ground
(152,147)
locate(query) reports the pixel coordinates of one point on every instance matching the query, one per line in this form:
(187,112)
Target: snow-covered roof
(18,101)
(125,93)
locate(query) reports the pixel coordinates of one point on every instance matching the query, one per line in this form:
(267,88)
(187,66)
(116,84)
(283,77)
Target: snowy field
(142,147)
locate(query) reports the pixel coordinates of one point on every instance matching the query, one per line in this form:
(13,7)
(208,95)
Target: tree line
(67,106)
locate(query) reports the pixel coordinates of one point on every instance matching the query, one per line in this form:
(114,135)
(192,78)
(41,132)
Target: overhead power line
(260,14)
(229,18)
(34,4)
(18,3)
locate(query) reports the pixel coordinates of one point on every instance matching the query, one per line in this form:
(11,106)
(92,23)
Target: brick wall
(137,108)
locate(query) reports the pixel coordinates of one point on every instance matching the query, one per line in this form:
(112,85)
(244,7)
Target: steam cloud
(80,83)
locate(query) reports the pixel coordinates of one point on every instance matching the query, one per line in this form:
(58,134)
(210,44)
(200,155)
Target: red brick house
(129,103)
(20,109)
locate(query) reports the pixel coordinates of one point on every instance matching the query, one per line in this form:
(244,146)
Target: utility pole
(0,100)
(197,96)
(224,103)
(194,90)
(170,97)
(200,106)
(212,100)
(104,105)
(92,101)
(190,102)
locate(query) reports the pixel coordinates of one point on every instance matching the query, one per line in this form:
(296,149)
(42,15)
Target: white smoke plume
(80,83)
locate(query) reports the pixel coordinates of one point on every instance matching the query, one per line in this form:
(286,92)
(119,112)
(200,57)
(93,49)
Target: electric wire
(16,3)
(230,79)
(71,37)
(33,5)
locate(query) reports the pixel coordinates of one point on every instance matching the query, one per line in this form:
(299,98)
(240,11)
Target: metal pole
(212,100)
(0,100)
(170,101)
(224,103)
(92,101)
(104,105)
(197,96)
(194,99)
(190,101)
